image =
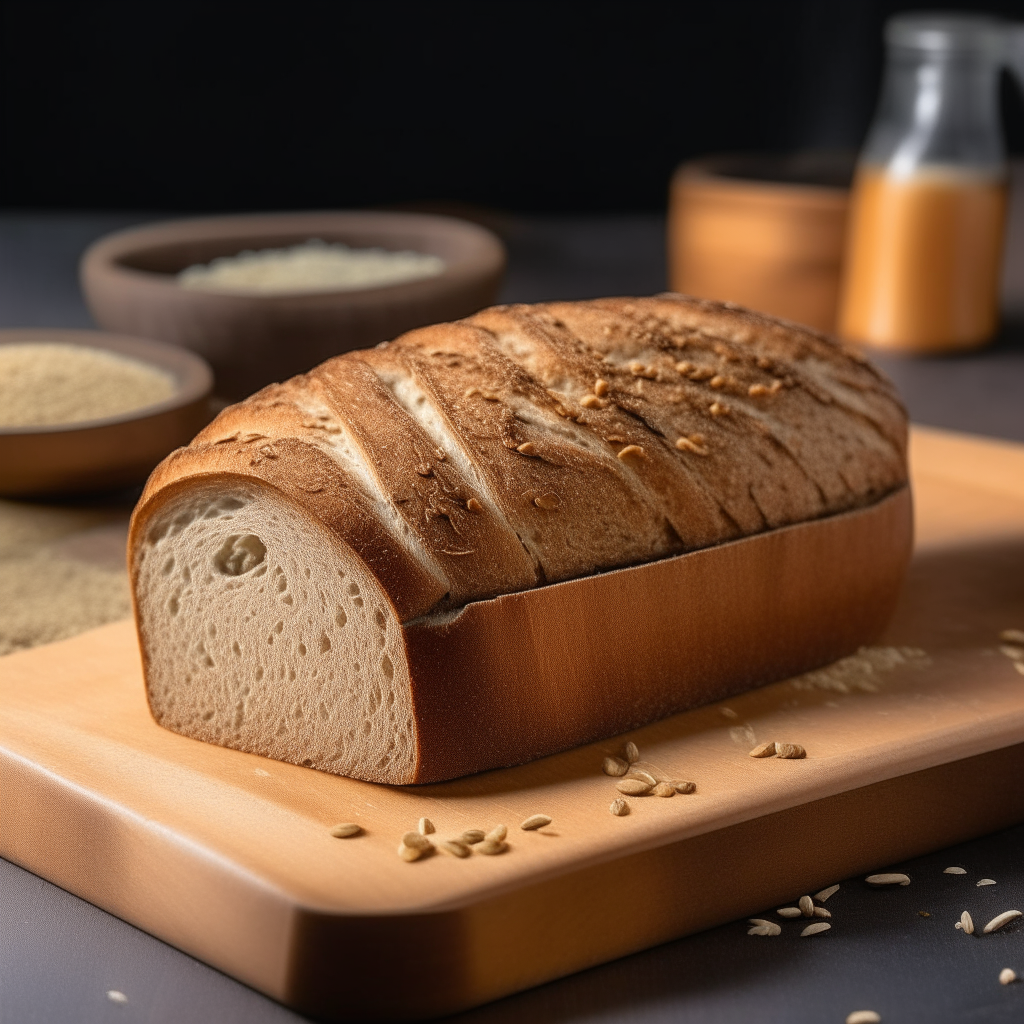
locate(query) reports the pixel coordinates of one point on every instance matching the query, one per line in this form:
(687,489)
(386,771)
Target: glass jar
(928,207)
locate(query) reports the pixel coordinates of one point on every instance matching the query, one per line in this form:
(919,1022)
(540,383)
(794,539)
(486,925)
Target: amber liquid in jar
(922,259)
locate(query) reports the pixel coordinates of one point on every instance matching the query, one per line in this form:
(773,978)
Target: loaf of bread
(398,566)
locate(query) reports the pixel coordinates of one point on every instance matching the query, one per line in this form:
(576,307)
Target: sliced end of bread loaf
(263,631)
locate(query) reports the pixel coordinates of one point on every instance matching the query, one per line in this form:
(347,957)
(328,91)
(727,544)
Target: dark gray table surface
(60,956)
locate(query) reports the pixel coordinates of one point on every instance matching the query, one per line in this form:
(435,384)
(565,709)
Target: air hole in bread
(239,554)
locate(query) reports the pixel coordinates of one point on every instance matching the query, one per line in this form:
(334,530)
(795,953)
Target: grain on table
(346,830)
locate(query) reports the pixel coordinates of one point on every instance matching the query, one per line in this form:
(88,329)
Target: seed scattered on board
(790,751)
(426,827)
(346,830)
(999,920)
(825,893)
(637,781)
(806,905)
(954,871)
(497,834)
(456,848)
(815,929)
(634,787)
(491,847)
(1012,636)
(415,841)
(534,822)
(863,1017)
(786,751)
(762,927)
(986,881)
(473,835)
(889,878)
(1007,976)
(116,997)
(789,912)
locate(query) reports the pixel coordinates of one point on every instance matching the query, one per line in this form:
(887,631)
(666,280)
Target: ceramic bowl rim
(109,254)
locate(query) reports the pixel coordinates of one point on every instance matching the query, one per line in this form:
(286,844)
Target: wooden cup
(764,232)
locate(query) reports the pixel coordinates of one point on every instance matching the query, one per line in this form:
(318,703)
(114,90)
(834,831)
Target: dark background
(524,106)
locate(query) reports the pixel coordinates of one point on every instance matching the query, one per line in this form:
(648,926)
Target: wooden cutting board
(914,745)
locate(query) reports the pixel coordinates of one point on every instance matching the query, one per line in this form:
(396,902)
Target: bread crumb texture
(264,633)
(276,557)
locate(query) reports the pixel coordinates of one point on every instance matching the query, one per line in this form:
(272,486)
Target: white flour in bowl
(313,266)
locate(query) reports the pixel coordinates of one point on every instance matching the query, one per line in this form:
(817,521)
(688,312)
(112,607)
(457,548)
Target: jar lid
(947,33)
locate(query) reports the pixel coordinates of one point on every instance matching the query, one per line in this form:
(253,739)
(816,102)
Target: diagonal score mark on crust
(345,450)
(516,344)
(657,333)
(417,403)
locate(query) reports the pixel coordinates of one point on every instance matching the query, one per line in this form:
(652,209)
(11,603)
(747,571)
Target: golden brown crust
(531,444)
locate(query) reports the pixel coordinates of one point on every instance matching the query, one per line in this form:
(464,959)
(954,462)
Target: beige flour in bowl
(62,570)
(45,384)
(313,266)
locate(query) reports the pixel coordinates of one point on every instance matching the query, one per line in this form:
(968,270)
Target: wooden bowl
(763,231)
(113,452)
(252,340)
